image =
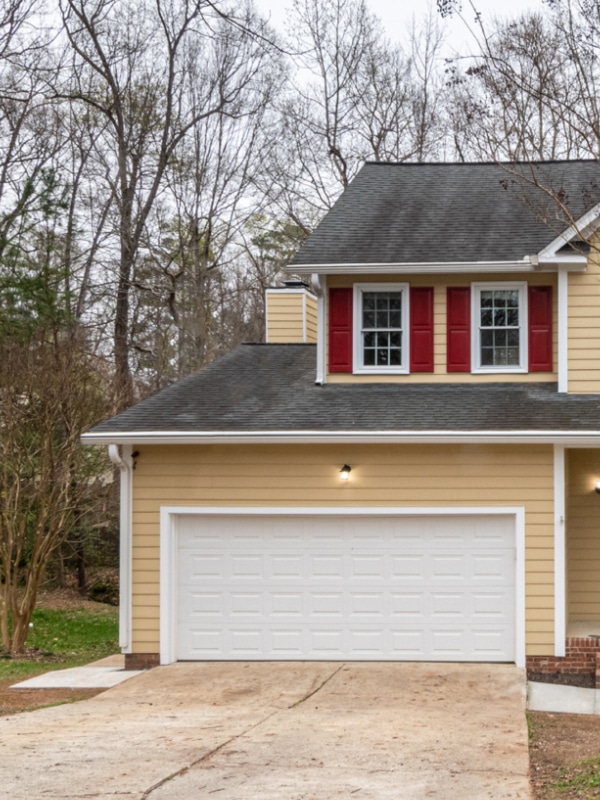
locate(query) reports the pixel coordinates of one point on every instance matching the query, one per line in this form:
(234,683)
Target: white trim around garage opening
(169,549)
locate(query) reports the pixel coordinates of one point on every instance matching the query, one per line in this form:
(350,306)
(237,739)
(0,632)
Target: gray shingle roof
(410,213)
(271,388)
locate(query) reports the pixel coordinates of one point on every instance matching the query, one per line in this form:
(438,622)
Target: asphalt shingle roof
(272,388)
(411,213)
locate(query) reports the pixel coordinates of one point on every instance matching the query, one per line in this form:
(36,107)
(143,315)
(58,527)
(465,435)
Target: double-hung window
(499,327)
(381,328)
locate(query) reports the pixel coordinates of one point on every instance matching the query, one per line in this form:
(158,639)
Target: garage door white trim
(169,554)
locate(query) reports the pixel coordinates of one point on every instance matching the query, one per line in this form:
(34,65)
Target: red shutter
(421,329)
(340,330)
(540,328)
(458,336)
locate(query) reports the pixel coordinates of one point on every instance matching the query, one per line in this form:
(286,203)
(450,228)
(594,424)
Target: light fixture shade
(597,486)
(345,472)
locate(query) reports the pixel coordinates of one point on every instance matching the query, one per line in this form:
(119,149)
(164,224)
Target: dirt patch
(14,701)
(68,600)
(559,743)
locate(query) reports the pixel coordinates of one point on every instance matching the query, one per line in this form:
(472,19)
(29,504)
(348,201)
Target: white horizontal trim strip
(566,438)
(424,267)
(344,511)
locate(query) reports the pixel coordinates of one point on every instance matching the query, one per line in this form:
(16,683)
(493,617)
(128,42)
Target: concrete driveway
(259,731)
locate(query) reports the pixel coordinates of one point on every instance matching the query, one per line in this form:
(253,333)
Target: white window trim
(358,367)
(476,289)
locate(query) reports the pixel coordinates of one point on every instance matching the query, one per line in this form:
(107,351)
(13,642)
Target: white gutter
(423,267)
(123,461)
(566,438)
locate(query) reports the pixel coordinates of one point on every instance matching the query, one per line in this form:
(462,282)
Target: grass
(65,638)
(583,775)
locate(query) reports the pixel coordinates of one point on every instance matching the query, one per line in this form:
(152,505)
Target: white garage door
(343,587)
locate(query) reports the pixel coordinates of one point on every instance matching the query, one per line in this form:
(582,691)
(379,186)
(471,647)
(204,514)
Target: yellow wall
(291,316)
(583,535)
(308,475)
(440,282)
(584,328)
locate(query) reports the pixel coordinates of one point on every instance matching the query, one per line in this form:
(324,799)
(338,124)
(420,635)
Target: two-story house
(409,467)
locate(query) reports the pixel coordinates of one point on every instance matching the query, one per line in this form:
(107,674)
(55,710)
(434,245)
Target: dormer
(447,273)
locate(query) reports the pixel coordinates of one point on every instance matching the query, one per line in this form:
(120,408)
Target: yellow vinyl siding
(440,284)
(311,317)
(291,316)
(382,475)
(583,535)
(584,327)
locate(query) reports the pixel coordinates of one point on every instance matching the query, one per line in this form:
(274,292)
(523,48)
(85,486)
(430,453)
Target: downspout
(319,287)
(121,457)
(563,331)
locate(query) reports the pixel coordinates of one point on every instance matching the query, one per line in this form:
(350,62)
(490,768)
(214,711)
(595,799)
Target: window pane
(382,329)
(499,332)
(487,357)
(382,319)
(395,319)
(368,300)
(487,338)
(512,356)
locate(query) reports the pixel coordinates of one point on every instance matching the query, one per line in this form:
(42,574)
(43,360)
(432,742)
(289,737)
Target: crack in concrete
(318,688)
(178,773)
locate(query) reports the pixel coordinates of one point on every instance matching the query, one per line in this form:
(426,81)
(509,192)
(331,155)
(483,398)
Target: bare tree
(354,96)
(133,71)
(46,477)
(531,90)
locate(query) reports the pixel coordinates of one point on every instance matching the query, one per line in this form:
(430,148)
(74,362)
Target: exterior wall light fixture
(597,486)
(346,470)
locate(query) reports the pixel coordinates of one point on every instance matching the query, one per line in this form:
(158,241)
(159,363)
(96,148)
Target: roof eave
(582,228)
(567,438)
(423,267)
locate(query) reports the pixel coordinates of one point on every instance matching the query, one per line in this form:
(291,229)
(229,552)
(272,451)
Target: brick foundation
(141,660)
(579,667)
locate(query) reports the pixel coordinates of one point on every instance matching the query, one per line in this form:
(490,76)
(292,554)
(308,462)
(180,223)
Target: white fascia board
(584,226)
(558,263)
(424,267)
(565,438)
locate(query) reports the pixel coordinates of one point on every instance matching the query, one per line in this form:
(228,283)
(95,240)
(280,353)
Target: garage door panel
(422,588)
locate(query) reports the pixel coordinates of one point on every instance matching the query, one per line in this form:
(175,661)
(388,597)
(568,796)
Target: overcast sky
(396,15)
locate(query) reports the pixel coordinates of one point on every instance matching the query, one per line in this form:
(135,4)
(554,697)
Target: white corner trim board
(170,517)
(560,591)
(123,461)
